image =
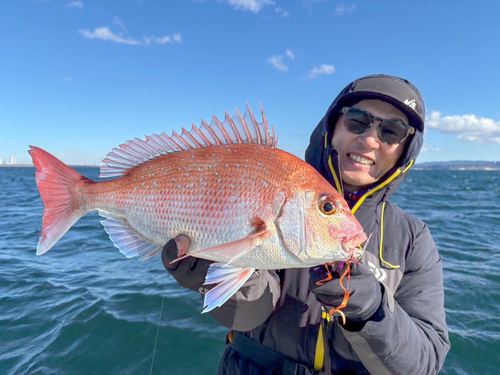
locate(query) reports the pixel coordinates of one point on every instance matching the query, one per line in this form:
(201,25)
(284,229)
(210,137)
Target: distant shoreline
(16,165)
(417,168)
(459,165)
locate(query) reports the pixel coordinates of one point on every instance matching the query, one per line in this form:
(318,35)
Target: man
(365,144)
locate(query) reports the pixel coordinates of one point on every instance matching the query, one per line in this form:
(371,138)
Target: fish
(244,203)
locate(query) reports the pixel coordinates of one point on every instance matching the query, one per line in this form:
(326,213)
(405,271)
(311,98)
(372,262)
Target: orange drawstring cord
(346,295)
(347,273)
(328,278)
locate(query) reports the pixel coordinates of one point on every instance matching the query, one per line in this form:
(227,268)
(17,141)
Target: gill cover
(310,230)
(291,225)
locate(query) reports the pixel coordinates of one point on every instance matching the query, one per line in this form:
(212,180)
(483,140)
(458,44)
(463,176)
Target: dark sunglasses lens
(357,121)
(392,132)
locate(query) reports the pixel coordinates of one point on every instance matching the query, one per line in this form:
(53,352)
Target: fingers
(183,243)
(169,253)
(174,248)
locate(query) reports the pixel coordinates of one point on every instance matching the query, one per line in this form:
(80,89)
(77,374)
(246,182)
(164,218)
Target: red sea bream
(244,203)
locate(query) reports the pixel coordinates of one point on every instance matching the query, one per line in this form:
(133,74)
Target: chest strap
(274,362)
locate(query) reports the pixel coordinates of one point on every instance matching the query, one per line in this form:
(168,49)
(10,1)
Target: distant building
(13,159)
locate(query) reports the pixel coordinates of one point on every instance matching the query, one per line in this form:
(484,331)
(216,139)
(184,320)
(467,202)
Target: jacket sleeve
(250,306)
(408,334)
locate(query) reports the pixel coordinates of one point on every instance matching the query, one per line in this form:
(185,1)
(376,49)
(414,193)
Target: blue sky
(78,78)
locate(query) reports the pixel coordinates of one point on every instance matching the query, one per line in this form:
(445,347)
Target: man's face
(364,158)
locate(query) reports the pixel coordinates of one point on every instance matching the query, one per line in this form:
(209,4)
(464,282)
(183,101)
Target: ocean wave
(84,308)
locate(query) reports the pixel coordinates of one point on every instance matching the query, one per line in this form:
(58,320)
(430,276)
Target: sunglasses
(392,132)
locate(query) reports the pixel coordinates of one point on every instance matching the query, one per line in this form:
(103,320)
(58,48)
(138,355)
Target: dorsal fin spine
(235,129)
(228,140)
(114,164)
(273,139)
(151,141)
(136,152)
(128,154)
(160,140)
(207,142)
(188,134)
(179,148)
(116,157)
(136,146)
(268,140)
(153,146)
(143,148)
(245,127)
(132,151)
(217,140)
(149,148)
(174,134)
(256,125)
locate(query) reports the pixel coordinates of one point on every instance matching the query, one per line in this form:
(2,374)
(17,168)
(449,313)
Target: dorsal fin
(238,129)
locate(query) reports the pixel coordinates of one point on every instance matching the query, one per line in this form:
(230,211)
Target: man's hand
(189,272)
(365,291)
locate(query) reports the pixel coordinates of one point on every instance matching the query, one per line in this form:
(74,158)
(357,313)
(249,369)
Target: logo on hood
(411,103)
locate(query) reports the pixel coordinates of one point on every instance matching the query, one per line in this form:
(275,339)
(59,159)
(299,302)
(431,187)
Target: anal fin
(229,278)
(126,240)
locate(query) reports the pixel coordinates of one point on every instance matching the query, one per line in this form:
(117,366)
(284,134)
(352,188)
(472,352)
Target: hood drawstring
(382,238)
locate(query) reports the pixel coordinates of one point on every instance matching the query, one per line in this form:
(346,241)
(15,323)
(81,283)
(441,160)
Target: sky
(80,77)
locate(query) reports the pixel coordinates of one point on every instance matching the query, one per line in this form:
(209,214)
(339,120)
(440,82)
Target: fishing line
(158,330)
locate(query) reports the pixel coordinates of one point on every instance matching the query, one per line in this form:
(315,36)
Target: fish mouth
(350,243)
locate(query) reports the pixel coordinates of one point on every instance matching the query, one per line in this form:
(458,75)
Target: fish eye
(328,207)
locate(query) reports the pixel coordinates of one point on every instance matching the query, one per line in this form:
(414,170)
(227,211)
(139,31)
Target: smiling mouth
(360,159)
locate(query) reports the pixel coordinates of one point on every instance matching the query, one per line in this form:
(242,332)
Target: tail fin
(56,183)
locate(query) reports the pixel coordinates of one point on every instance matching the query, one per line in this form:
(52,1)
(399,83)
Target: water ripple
(84,308)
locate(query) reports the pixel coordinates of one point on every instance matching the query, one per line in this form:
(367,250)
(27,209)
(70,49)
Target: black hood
(396,91)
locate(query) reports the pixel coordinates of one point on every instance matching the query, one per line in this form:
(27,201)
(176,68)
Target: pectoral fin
(235,249)
(230,279)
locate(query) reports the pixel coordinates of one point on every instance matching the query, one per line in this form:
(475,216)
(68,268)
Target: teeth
(360,159)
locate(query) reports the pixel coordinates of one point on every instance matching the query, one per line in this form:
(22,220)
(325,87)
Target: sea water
(83,308)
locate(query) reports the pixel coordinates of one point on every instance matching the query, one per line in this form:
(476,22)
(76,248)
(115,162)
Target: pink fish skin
(242,202)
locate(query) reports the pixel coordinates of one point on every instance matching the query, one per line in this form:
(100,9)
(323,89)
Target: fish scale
(205,206)
(243,203)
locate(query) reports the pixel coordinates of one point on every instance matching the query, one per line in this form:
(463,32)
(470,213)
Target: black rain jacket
(407,335)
